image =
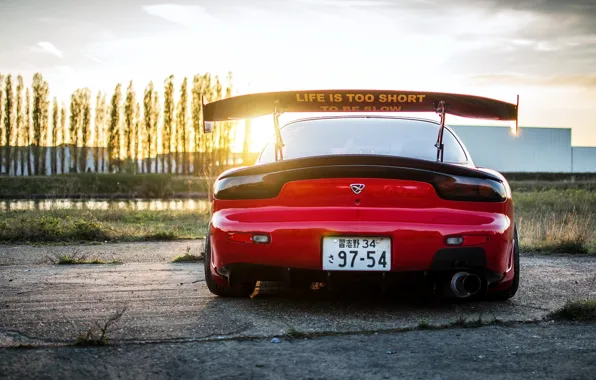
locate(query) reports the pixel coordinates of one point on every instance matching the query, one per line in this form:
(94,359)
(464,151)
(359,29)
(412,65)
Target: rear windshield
(394,137)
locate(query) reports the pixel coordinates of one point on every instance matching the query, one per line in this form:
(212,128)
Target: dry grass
(68,226)
(77,257)
(556,221)
(97,334)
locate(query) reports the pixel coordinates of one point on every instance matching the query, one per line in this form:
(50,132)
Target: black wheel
(241,290)
(508,293)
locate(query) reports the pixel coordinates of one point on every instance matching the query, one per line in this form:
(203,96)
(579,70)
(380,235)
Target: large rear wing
(359,101)
(255,105)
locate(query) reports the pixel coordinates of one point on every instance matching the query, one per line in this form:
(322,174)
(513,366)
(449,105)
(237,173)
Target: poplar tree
(114,130)
(181,125)
(213,149)
(28,135)
(54,139)
(85,102)
(100,120)
(40,120)
(168,119)
(137,136)
(129,121)
(148,126)
(19,125)
(45,125)
(155,123)
(64,132)
(75,112)
(206,92)
(228,128)
(8,123)
(104,134)
(196,115)
(2,144)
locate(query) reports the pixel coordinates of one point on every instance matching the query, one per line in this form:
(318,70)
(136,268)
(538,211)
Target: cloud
(185,15)
(49,48)
(93,58)
(348,3)
(579,80)
(551,18)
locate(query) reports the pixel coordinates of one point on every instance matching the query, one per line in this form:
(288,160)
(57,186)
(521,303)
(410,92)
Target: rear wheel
(223,290)
(505,294)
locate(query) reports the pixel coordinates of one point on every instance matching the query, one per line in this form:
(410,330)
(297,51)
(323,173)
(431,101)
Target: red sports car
(362,196)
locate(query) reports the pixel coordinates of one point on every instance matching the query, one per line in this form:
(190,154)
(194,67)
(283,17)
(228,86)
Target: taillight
(249,237)
(245,187)
(471,189)
(466,240)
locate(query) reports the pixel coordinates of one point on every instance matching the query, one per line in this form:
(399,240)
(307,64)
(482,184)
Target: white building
(531,150)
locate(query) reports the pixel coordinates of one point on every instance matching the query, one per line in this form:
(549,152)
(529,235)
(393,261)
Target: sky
(543,50)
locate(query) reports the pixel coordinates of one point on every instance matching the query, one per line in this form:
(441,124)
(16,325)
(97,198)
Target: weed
(187,257)
(97,335)
(162,236)
(292,334)
(77,257)
(579,310)
(424,324)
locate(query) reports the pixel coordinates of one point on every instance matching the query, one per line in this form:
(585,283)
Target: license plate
(357,253)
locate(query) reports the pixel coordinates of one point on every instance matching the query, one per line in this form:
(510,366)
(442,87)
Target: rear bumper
(418,237)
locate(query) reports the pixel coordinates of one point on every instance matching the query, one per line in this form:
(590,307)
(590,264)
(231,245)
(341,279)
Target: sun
(262,132)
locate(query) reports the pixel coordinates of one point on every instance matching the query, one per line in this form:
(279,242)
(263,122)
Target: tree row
(151,132)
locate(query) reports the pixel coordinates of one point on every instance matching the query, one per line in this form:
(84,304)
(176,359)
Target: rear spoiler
(256,105)
(362,101)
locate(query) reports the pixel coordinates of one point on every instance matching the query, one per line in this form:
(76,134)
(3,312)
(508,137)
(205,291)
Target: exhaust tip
(464,284)
(472,283)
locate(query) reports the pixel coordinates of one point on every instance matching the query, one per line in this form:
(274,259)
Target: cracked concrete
(174,328)
(53,304)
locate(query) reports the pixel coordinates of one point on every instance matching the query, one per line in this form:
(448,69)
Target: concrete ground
(174,327)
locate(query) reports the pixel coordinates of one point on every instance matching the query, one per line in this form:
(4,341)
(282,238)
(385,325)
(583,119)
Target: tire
(505,294)
(242,290)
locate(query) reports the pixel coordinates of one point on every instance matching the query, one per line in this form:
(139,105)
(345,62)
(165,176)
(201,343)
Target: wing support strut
(279,143)
(439,145)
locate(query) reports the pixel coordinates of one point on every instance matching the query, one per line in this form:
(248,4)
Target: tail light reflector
(249,237)
(466,240)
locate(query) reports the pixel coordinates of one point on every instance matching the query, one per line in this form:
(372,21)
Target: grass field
(556,221)
(102,185)
(100,225)
(554,215)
